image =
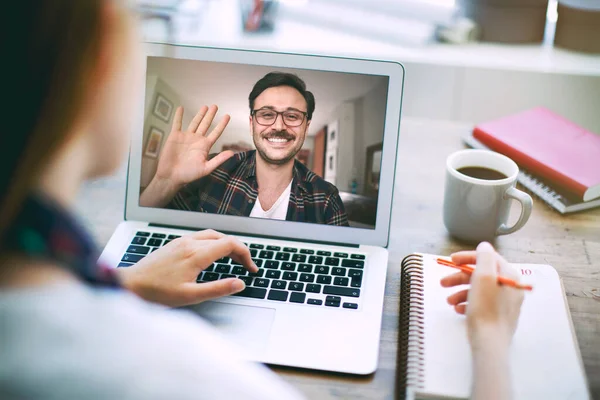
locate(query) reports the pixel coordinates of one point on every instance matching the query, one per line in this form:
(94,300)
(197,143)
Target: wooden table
(570,243)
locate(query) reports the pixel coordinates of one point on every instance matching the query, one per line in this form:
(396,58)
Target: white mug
(476,209)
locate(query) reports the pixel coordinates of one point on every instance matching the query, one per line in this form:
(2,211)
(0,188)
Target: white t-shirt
(278,210)
(70,341)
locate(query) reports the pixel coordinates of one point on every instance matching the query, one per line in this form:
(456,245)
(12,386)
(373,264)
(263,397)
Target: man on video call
(267,182)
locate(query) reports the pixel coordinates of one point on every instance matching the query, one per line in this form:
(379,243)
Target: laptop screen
(290,144)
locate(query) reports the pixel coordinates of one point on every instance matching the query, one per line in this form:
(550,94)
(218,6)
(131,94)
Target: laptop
(317,299)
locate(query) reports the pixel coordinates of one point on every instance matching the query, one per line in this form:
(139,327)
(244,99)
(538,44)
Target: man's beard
(277,134)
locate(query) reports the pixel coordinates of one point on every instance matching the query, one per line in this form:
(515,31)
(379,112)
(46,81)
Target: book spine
(531,164)
(411,328)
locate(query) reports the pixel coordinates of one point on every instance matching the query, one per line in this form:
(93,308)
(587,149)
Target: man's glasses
(267,117)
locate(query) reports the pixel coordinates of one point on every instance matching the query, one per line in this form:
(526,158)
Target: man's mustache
(279,135)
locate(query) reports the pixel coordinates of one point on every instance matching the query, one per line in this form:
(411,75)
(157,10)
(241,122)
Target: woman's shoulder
(109,342)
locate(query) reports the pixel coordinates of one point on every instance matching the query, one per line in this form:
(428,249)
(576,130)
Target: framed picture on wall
(331,161)
(332,135)
(155,138)
(163,108)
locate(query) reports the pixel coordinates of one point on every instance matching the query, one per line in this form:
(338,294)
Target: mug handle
(526,206)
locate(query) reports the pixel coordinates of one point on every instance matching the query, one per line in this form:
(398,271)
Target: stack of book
(559,160)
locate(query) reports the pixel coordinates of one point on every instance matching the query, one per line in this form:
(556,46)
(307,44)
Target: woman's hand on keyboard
(168,275)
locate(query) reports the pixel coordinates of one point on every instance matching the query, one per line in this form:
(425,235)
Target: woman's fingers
(487,261)
(241,254)
(207,234)
(461,308)
(213,245)
(458,297)
(464,257)
(227,246)
(459,278)
(484,287)
(507,270)
(199,292)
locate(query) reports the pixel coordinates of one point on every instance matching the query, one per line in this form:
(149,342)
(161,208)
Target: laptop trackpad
(247,326)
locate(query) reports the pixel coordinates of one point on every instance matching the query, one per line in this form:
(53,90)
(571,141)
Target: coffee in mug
(480,186)
(482,173)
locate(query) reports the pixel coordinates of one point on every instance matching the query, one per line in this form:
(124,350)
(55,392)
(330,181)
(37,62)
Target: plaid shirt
(232,189)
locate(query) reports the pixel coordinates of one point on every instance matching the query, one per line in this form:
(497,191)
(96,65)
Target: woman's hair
(50,50)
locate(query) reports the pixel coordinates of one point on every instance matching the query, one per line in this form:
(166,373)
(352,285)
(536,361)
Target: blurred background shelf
(462,82)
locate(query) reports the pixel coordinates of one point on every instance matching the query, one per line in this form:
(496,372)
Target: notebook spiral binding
(411,329)
(540,189)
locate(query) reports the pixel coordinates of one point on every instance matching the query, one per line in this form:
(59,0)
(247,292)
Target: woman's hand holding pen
(492,313)
(491,309)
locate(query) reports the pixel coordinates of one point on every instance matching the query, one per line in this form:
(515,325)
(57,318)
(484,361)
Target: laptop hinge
(261,236)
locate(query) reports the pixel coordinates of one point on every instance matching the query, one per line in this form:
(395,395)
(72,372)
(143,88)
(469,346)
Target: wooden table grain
(570,243)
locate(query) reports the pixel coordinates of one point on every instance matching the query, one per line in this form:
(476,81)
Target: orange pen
(469,270)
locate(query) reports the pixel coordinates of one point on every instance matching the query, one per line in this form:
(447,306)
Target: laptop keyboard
(286,274)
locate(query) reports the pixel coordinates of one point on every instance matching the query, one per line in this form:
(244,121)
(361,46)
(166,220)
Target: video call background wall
(356,103)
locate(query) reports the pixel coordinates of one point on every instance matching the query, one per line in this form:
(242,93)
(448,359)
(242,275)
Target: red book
(550,146)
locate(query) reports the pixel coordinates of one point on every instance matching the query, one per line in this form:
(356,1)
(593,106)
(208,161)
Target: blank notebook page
(545,362)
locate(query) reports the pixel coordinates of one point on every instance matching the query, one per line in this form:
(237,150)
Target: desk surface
(570,243)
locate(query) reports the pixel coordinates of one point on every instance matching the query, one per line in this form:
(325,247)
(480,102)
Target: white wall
(370,118)
(155,85)
(345,114)
(360,124)
(486,95)
(473,94)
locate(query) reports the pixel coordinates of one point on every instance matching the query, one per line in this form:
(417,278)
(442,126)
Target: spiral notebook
(434,358)
(562,202)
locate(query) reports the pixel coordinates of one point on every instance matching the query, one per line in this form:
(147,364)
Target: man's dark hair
(274,79)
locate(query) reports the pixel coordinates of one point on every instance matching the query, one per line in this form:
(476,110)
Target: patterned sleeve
(186,199)
(335,213)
